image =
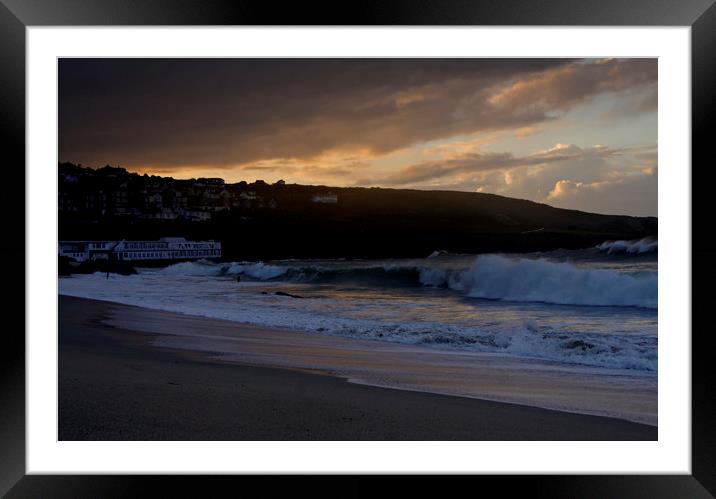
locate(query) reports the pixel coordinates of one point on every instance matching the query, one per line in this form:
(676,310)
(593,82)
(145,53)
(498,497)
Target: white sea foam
(638,246)
(376,300)
(256,270)
(260,270)
(192,295)
(199,268)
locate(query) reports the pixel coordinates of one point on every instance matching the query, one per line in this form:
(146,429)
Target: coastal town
(262,220)
(112,191)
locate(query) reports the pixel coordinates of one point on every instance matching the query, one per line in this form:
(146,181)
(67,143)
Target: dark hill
(261,221)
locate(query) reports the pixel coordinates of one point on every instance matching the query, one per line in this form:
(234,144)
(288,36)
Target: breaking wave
(500,278)
(256,270)
(434,302)
(637,246)
(493,277)
(259,271)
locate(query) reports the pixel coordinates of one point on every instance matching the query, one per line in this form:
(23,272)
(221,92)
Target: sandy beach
(128,373)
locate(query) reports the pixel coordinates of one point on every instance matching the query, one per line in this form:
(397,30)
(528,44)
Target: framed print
(422,240)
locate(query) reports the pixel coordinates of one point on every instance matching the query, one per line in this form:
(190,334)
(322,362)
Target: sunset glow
(572,133)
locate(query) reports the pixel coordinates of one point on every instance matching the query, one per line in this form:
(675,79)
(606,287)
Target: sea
(594,307)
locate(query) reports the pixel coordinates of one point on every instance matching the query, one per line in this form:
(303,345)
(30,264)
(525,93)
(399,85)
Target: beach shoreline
(118,383)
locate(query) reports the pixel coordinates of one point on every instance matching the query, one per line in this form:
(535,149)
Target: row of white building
(166,248)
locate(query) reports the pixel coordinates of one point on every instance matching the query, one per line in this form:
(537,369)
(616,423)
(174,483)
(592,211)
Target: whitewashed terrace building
(167,248)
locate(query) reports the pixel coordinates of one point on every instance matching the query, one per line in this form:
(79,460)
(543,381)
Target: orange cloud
(221,113)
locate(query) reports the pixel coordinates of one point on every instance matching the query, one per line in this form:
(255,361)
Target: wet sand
(122,377)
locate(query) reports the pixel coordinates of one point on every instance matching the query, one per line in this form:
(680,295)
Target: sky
(572,133)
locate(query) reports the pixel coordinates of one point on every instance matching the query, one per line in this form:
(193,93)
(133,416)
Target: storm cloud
(227,112)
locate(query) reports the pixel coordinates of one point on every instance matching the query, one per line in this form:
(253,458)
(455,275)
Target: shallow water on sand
(497,377)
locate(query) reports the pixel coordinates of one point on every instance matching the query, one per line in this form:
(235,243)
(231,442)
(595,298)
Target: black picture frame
(16,15)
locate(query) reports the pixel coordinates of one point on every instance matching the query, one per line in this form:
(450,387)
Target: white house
(329,197)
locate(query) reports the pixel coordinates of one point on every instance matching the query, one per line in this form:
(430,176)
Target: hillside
(262,221)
